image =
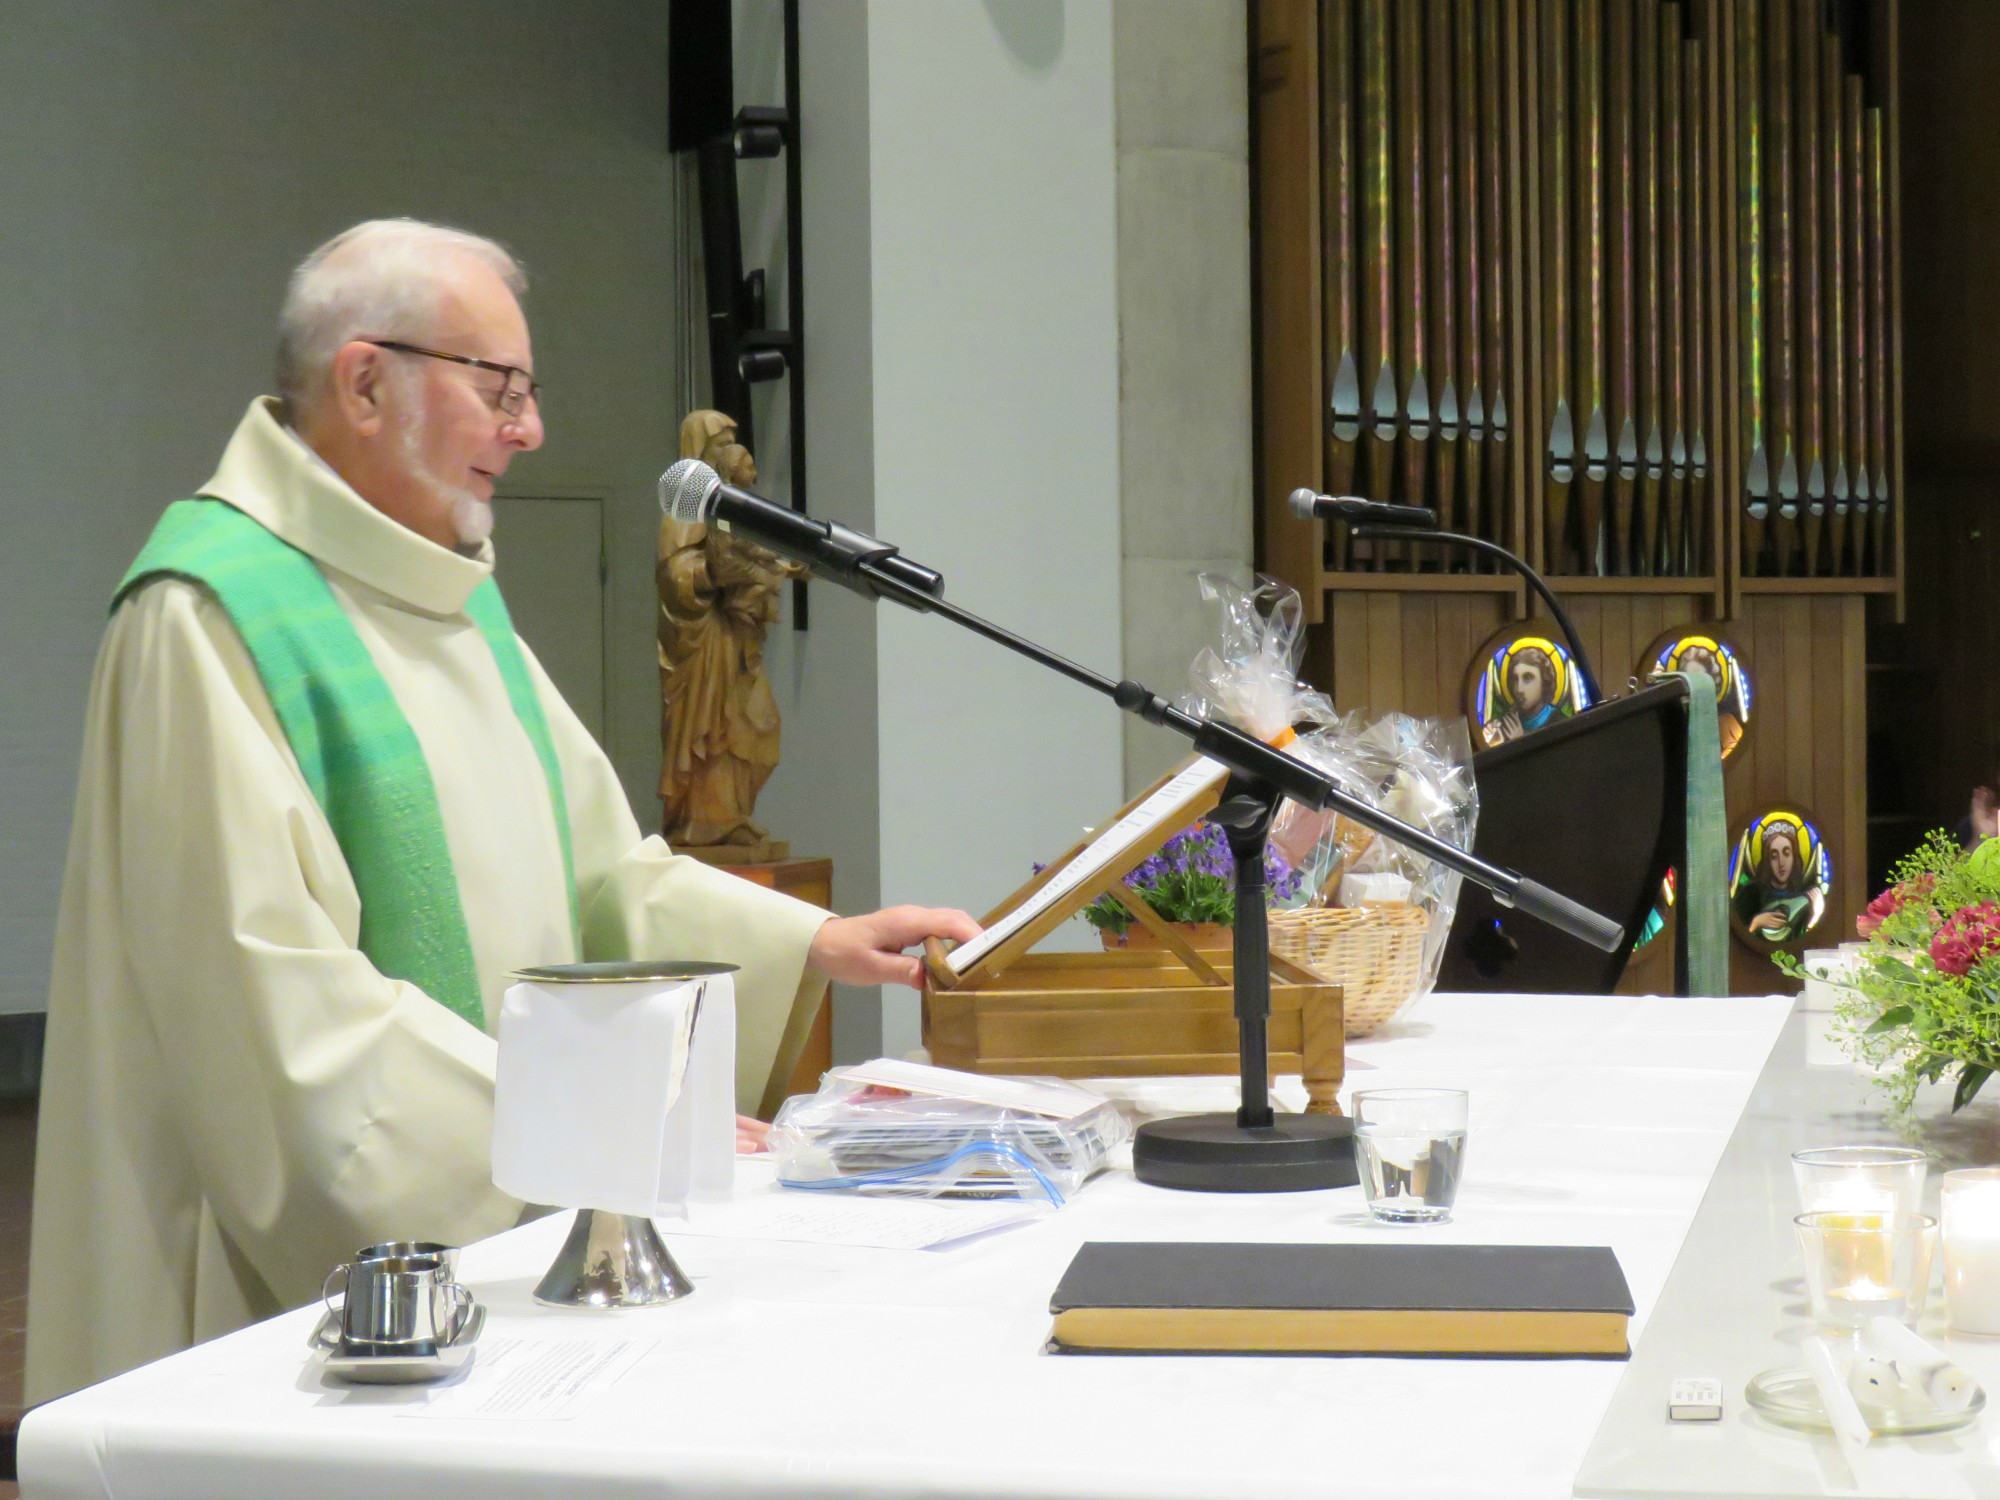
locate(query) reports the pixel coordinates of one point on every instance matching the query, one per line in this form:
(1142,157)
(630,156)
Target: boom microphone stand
(1253,1149)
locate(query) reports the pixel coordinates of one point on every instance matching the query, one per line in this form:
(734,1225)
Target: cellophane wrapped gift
(1252,681)
(1417,770)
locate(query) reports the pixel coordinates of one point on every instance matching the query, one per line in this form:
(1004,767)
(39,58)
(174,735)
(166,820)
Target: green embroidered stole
(352,742)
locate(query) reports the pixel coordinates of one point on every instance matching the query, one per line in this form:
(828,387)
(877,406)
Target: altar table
(800,1370)
(1736,1305)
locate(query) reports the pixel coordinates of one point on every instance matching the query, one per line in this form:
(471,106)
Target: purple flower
(1192,878)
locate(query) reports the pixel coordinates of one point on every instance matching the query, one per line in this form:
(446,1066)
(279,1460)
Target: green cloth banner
(352,742)
(1704,877)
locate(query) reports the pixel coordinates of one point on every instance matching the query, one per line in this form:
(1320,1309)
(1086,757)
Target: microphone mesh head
(1301,500)
(687,489)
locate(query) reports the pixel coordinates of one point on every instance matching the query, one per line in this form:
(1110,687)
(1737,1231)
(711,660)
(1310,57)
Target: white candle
(1842,1413)
(1971,1213)
(1921,1366)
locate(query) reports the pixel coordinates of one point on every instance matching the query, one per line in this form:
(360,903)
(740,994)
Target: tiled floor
(17,1183)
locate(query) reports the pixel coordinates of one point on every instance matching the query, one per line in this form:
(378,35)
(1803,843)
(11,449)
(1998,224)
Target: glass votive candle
(1969,1205)
(1865,1265)
(1829,973)
(1860,1179)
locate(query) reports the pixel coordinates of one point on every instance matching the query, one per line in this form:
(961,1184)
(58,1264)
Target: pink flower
(1892,901)
(1966,937)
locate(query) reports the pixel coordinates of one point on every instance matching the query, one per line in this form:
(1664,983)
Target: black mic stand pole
(1254,1149)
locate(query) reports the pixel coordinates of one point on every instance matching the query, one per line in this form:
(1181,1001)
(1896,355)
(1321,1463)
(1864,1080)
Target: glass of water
(1410,1146)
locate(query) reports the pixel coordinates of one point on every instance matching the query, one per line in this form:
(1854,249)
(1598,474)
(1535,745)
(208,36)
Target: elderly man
(328,801)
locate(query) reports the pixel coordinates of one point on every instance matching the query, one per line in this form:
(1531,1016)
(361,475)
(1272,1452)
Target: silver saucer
(426,1362)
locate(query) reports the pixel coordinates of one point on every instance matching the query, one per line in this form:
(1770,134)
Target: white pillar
(962,402)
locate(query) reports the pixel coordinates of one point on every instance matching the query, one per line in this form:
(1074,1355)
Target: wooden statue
(719,720)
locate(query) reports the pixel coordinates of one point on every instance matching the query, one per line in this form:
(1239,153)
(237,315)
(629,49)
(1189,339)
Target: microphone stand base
(1214,1154)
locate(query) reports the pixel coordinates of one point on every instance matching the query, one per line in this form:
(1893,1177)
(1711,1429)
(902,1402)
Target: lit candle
(1971,1213)
(1861,1266)
(1866,1299)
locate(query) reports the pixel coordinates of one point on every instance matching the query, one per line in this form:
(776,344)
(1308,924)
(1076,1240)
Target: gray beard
(471,517)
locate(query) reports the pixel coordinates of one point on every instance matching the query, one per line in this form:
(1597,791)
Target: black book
(1516,1301)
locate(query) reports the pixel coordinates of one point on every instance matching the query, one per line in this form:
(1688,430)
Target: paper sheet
(587,1107)
(535,1379)
(873,1223)
(1059,1101)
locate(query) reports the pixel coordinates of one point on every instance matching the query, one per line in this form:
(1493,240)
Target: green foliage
(1192,879)
(1182,896)
(1905,1014)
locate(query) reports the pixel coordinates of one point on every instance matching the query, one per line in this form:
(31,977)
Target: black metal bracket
(743,350)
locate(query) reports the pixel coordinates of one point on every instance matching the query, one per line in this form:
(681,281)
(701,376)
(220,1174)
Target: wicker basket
(1374,953)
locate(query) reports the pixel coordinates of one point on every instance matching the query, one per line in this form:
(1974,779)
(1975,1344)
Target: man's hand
(752,1136)
(869,950)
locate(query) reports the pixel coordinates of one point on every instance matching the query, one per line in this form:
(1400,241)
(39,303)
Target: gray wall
(1061,424)
(1184,413)
(996,401)
(825,796)
(961,322)
(163,164)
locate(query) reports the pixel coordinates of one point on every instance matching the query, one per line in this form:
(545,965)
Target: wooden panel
(1049,1014)
(1614,629)
(1286,115)
(1807,742)
(811,881)
(1420,687)
(1807,746)
(1400,638)
(1386,670)
(1796,690)
(1407,651)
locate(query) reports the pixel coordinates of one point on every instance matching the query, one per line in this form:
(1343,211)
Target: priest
(328,802)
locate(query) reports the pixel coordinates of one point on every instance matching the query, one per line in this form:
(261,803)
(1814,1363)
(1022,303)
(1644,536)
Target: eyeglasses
(513,397)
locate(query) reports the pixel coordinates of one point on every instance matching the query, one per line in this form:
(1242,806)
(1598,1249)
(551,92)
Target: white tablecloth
(808,1371)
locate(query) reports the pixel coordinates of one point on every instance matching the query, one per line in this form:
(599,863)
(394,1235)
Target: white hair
(381,279)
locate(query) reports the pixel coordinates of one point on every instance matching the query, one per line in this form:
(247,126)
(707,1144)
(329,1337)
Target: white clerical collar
(270,474)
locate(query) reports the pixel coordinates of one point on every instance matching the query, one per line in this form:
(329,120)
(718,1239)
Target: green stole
(352,742)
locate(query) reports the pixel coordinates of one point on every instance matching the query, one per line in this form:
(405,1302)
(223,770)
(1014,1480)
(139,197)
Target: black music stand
(1598,805)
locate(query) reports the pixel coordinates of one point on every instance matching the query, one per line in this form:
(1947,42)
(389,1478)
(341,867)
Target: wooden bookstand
(1123,1014)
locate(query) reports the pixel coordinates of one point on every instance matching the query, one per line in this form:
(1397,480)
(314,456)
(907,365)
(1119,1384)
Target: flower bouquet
(1193,879)
(1924,1001)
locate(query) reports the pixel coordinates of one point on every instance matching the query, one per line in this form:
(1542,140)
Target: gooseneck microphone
(692,491)
(1592,696)
(1308,503)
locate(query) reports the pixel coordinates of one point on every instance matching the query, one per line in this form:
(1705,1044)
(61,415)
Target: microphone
(691,491)
(1306,504)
